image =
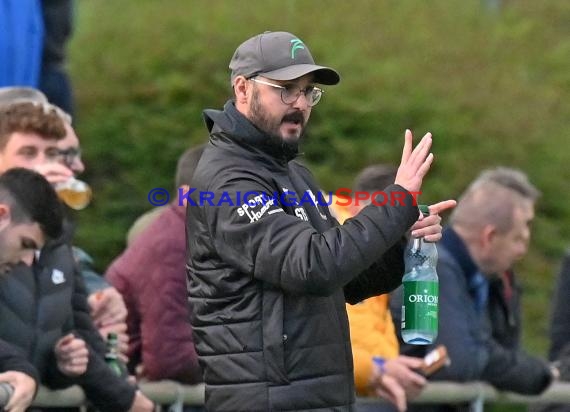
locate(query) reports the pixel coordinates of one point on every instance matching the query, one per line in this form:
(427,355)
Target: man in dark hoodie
(269,268)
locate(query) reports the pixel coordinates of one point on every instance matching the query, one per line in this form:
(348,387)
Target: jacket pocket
(273,337)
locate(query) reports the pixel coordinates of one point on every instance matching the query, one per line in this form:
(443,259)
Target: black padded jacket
(269,277)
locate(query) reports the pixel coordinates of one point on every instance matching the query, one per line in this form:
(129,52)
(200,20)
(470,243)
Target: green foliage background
(492,85)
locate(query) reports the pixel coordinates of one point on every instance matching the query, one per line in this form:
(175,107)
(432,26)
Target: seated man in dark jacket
(43,308)
(479,313)
(151,276)
(30,213)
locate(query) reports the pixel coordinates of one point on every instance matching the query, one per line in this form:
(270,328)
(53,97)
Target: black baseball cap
(278,56)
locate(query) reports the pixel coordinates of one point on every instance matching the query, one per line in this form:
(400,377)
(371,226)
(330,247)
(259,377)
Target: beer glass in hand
(74,193)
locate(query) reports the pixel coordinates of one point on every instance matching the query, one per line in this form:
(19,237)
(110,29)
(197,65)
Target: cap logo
(296,44)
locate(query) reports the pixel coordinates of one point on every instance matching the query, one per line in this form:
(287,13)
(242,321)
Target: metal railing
(475,393)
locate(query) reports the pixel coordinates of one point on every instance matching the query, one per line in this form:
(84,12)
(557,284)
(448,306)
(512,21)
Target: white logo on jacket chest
(257,206)
(57,276)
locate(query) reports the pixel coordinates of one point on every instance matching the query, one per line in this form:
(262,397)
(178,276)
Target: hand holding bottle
(428,226)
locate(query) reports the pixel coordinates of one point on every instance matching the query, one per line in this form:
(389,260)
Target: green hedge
(492,85)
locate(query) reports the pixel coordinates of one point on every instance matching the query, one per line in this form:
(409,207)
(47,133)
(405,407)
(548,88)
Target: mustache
(295,117)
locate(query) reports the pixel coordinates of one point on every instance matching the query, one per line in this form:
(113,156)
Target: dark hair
(187,164)
(32,199)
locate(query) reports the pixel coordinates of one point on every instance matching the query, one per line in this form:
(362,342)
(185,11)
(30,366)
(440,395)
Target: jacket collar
(477,283)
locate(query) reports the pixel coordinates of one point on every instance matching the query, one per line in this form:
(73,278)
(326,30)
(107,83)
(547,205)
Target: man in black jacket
(30,213)
(269,268)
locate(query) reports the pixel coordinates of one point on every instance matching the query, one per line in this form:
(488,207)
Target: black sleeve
(560,322)
(382,277)
(102,387)
(82,321)
(515,370)
(289,253)
(13,359)
(106,390)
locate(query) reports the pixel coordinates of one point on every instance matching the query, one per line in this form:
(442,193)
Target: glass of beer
(74,193)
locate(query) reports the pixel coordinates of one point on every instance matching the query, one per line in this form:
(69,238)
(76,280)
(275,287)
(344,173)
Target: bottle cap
(424,209)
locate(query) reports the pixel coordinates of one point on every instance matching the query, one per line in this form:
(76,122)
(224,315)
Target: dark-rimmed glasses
(68,156)
(290,93)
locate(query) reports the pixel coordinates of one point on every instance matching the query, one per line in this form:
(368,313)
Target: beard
(270,126)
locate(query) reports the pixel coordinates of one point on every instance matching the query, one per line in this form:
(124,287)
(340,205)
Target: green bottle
(112,356)
(421,291)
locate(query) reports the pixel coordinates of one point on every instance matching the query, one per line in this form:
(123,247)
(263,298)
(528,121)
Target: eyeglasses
(68,156)
(290,93)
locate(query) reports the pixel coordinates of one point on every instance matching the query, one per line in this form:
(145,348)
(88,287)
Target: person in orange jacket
(373,336)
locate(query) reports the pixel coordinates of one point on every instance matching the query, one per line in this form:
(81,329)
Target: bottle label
(420,308)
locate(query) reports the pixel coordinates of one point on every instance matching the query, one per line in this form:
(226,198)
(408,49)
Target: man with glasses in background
(269,268)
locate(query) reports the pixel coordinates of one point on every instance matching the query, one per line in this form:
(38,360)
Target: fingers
(107,307)
(415,163)
(410,361)
(73,349)
(24,390)
(391,390)
(54,172)
(64,340)
(442,206)
(429,227)
(72,357)
(408,145)
(420,153)
(426,165)
(402,369)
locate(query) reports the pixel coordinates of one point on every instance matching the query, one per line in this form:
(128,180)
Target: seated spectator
(30,213)
(69,349)
(151,276)
(479,312)
(372,331)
